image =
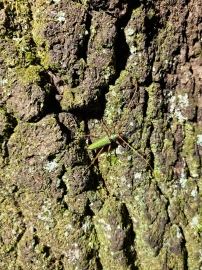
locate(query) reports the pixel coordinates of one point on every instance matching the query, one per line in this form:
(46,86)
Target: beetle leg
(93,161)
(108,151)
(138,154)
(109,148)
(122,143)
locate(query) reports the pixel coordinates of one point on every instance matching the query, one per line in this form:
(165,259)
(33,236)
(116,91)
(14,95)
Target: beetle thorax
(113,137)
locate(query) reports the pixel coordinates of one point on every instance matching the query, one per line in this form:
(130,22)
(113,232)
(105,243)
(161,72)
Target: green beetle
(118,138)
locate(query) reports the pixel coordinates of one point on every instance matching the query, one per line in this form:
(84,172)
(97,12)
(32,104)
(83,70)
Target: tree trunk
(73,72)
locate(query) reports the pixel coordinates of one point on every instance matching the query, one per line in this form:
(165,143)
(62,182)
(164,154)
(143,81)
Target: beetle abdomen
(102,142)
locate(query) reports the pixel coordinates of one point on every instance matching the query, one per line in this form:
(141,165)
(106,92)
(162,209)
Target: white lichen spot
(133,49)
(137,175)
(107,76)
(25,49)
(180,117)
(103,154)
(176,105)
(69,226)
(131,124)
(113,93)
(199,139)
(111,178)
(3,81)
(58,183)
(129,158)
(135,220)
(73,254)
(86,226)
(106,225)
(195,223)
(153,69)
(107,228)
(56,1)
(77,254)
(183,179)
(194,192)
(50,166)
(183,100)
(179,233)
(119,150)
(96,121)
(170,94)
(175,192)
(123,180)
(60,17)
(172,102)
(80,36)
(17,39)
(129,32)
(47,227)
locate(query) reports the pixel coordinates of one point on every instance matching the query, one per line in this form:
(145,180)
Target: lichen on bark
(65,65)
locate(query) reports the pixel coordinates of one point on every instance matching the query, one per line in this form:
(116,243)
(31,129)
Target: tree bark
(73,72)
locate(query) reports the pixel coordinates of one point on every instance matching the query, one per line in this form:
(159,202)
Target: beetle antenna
(105,128)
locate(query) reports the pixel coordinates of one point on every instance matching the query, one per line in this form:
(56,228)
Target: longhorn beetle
(118,138)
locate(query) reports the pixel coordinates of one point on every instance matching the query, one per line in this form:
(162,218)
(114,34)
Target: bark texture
(65,65)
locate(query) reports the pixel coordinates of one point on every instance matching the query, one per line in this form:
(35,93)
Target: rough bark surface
(65,65)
